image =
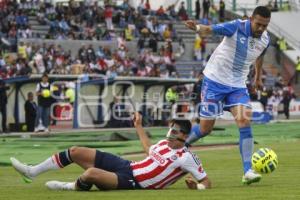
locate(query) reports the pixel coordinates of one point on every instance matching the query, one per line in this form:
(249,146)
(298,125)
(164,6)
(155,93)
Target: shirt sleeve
(193,165)
(226,29)
(265,50)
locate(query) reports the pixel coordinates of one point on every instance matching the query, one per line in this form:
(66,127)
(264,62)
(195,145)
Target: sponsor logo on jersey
(174,157)
(200,169)
(158,158)
(242,40)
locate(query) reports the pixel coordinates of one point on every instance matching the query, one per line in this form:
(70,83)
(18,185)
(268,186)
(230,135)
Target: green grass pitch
(222,165)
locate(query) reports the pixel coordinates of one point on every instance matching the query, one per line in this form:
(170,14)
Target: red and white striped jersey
(164,166)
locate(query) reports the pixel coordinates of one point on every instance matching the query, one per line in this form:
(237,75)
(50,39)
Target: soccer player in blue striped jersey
(224,84)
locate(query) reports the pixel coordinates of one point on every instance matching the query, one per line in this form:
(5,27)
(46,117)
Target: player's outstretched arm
(201,185)
(199,28)
(145,140)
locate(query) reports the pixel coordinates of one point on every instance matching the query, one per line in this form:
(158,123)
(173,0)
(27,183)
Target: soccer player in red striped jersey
(166,162)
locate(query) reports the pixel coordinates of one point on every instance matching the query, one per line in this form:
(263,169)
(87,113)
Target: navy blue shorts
(120,166)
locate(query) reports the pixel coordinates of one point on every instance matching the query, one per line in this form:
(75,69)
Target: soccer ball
(264,160)
(24,127)
(46,93)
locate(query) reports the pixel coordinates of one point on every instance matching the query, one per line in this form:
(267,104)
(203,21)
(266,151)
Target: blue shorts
(119,166)
(217,97)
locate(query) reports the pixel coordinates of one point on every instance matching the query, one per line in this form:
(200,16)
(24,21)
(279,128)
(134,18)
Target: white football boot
(251,177)
(23,169)
(57,185)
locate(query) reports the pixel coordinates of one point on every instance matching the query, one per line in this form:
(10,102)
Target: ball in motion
(264,160)
(46,93)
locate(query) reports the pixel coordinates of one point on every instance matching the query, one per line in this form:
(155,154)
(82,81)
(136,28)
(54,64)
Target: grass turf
(223,167)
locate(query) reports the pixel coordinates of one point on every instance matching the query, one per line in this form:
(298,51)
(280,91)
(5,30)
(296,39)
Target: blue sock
(194,135)
(246,147)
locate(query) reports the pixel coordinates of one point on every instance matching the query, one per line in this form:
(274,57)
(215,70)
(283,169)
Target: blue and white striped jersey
(231,61)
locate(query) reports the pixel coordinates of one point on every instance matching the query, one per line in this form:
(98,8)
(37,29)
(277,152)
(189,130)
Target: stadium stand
(72,37)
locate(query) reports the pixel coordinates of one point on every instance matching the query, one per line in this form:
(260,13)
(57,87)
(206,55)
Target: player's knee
(74,151)
(243,123)
(206,130)
(89,175)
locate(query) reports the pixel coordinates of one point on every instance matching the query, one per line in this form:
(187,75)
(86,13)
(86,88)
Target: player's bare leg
(207,125)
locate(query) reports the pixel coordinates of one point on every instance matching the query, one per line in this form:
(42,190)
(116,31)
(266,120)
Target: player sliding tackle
(225,75)
(167,161)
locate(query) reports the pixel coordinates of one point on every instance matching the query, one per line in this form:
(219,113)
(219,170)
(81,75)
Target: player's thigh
(206,125)
(83,156)
(101,178)
(238,103)
(242,115)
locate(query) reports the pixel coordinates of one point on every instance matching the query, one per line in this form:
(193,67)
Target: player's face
(175,137)
(45,79)
(258,25)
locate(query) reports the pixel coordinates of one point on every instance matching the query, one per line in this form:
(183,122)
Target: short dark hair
(184,124)
(262,11)
(45,75)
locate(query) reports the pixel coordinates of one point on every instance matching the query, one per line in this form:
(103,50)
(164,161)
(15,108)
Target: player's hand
(190,24)
(137,119)
(190,183)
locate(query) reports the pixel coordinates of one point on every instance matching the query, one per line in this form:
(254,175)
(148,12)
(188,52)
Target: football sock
(82,185)
(194,135)
(56,161)
(44,166)
(63,158)
(246,147)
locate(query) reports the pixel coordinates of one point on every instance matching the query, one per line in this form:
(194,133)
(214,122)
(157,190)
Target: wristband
(198,27)
(200,186)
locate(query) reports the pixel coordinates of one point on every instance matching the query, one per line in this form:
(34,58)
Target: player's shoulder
(235,21)
(233,24)
(243,26)
(161,143)
(265,37)
(187,154)
(189,158)
(240,23)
